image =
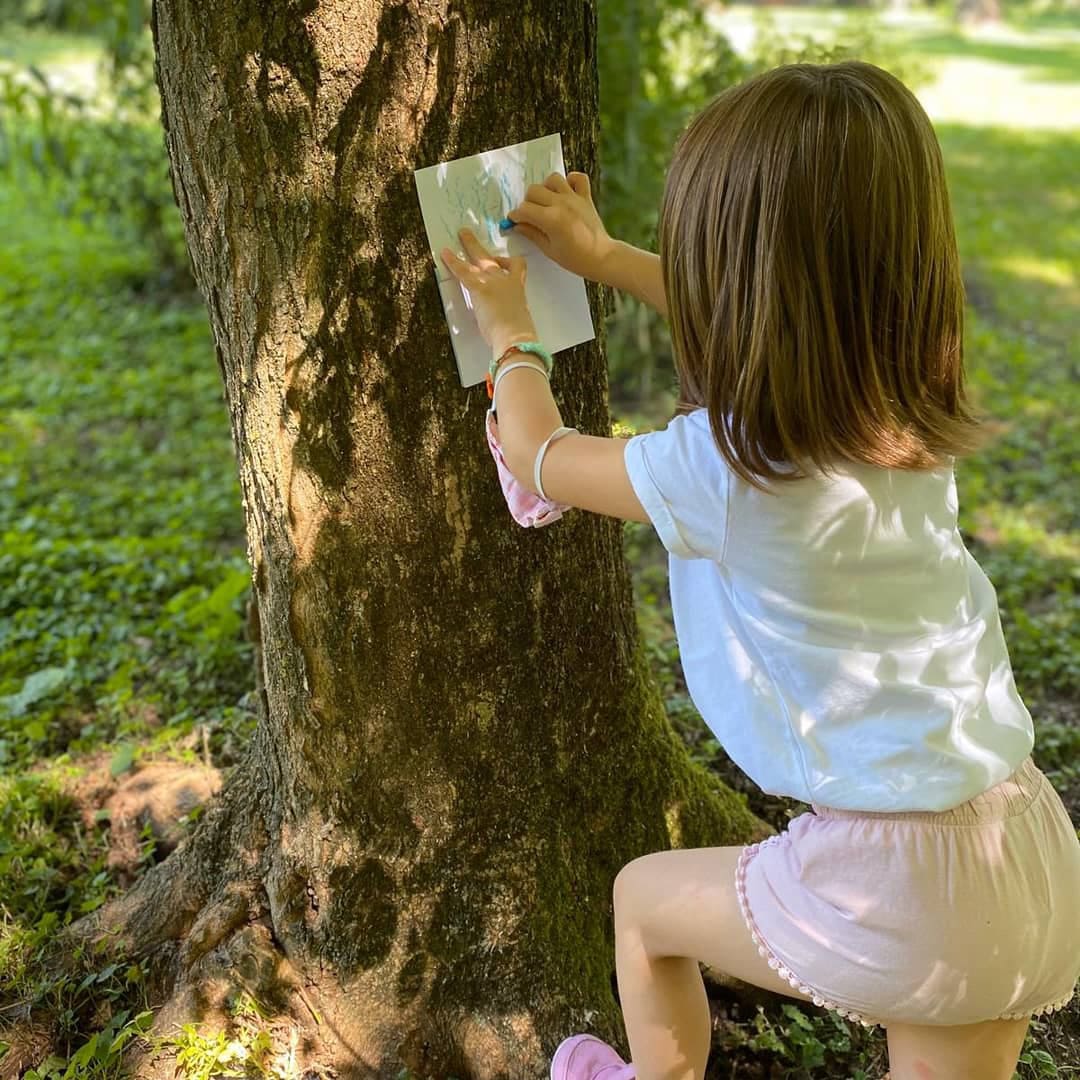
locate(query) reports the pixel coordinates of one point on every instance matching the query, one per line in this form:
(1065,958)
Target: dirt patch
(158,794)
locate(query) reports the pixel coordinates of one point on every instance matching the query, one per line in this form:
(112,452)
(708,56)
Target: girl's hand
(496,287)
(560,217)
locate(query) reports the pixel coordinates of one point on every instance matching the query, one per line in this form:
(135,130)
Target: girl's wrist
(612,265)
(503,350)
(503,341)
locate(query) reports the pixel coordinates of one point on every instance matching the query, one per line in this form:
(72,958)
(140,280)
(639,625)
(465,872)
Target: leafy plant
(800,1045)
(101,1056)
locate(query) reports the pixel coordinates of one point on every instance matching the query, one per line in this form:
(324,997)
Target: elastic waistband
(1007,799)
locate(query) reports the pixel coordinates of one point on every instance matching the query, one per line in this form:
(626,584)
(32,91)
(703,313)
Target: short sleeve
(683,483)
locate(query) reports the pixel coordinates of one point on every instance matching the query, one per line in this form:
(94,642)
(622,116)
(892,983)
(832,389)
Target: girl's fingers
(511,264)
(538,193)
(579,181)
(459,267)
(531,233)
(541,217)
(474,249)
(456,265)
(481,258)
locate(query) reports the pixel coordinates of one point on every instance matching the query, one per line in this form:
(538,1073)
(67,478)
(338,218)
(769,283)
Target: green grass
(123,570)
(45,46)
(123,574)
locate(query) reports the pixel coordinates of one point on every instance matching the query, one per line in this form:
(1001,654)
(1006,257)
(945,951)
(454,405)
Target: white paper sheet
(477,191)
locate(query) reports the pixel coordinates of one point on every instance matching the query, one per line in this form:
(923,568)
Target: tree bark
(461,743)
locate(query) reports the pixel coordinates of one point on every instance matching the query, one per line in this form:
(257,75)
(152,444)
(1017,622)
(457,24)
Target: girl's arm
(637,272)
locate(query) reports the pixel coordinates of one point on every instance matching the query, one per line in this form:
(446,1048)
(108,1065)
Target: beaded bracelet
(522,346)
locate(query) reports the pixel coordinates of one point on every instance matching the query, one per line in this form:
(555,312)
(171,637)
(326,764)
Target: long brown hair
(812,275)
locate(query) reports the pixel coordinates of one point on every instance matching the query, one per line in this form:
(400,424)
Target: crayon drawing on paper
(477,192)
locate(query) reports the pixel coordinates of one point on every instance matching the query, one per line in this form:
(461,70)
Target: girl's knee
(632,886)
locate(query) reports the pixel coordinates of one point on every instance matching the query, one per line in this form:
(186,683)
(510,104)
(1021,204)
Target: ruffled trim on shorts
(816,996)
(1045,1010)
(763,949)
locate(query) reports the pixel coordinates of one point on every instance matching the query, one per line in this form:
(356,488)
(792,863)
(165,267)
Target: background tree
(974,12)
(460,742)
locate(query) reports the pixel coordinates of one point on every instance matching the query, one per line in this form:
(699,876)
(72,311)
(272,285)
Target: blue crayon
(506,223)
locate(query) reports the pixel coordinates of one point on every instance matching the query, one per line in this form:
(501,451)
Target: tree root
(213,868)
(204,921)
(182,909)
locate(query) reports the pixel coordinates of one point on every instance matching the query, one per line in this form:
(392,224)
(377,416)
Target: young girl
(835,634)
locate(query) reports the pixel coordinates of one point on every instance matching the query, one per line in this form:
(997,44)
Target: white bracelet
(558,433)
(503,369)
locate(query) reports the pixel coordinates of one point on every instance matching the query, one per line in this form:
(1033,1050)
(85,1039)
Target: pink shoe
(585,1057)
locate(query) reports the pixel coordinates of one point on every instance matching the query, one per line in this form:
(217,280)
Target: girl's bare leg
(986,1051)
(676,908)
(673,909)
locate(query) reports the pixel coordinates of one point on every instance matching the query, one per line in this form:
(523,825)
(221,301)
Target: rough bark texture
(461,742)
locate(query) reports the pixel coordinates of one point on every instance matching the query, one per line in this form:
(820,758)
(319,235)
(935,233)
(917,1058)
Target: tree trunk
(461,743)
(976,12)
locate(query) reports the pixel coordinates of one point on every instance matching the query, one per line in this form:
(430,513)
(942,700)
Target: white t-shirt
(837,637)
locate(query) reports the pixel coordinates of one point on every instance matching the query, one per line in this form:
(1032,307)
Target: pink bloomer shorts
(955,917)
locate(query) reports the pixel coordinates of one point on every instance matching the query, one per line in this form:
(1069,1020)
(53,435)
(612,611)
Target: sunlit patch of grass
(43,46)
(1001,75)
(70,62)
(1031,526)
(987,92)
(1050,271)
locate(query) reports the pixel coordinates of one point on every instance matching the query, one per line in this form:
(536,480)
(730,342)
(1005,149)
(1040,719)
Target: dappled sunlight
(1018,238)
(1052,272)
(825,662)
(143,561)
(991,763)
(942,986)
